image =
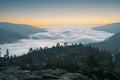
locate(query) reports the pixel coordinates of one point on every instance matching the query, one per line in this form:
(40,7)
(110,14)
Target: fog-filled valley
(56,34)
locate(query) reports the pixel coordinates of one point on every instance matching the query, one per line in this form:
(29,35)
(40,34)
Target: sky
(59,12)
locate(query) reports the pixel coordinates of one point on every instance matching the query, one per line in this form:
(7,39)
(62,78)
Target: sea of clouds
(70,34)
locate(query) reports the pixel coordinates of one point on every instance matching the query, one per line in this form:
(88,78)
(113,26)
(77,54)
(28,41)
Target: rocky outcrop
(56,74)
(48,74)
(4,76)
(73,76)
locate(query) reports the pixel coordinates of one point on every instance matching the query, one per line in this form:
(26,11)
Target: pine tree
(7,54)
(92,62)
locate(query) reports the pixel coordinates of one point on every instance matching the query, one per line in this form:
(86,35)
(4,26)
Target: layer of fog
(61,34)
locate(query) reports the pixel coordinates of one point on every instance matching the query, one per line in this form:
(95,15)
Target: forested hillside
(60,62)
(111,44)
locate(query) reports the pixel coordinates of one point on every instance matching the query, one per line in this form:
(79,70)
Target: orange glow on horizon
(60,12)
(38,23)
(55,24)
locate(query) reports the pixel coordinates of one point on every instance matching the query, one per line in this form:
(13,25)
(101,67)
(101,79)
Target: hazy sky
(52,12)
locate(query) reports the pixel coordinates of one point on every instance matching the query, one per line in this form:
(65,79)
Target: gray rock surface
(74,76)
(48,74)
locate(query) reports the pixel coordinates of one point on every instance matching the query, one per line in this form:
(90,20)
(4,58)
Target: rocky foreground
(14,73)
(48,74)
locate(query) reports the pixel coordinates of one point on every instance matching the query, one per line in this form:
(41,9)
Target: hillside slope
(8,36)
(112,44)
(21,29)
(113,28)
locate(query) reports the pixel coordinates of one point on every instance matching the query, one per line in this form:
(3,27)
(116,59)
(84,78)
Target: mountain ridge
(22,29)
(10,32)
(112,28)
(8,36)
(111,44)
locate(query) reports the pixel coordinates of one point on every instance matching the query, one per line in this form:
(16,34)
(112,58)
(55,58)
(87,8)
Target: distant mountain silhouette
(112,44)
(13,32)
(21,29)
(113,28)
(8,36)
